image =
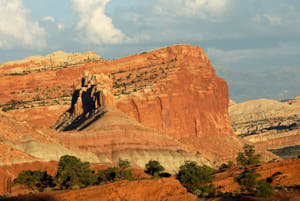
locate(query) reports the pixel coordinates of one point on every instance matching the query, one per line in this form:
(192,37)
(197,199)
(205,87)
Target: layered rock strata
(174,89)
(269,124)
(53,61)
(166,105)
(264,117)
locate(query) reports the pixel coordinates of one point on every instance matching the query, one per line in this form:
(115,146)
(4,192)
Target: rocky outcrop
(264,116)
(284,173)
(174,89)
(89,100)
(53,61)
(166,189)
(269,124)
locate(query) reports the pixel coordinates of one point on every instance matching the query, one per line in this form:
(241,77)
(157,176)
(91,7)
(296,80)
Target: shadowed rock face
(88,102)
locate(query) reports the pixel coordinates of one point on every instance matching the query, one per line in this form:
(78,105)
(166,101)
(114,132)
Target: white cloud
(60,26)
(97,26)
(205,9)
(48,18)
(211,6)
(267,19)
(273,20)
(17,28)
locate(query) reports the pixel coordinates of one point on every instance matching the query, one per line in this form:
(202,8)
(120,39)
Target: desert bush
(125,171)
(123,164)
(247,179)
(126,174)
(164,174)
(264,189)
(35,180)
(228,165)
(108,175)
(197,179)
(154,168)
(248,157)
(71,171)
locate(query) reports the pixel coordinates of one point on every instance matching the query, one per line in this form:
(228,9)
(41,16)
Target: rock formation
(165,189)
(89,99)
(270,124)
(284,173)
(264,116)
(166,105)
(53,61)
(178,92)
(174,89)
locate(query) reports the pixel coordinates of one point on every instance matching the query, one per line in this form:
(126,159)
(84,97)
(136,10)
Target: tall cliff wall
(174,89)
(182,96)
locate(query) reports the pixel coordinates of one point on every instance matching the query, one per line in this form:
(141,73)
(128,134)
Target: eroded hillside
(268,123)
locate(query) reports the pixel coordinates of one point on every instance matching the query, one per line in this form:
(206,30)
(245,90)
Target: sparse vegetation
(111,174)
(247,180)
(153,168)
(35,180)
(72,172)
(228,165)
(12,104)
(248,157)
(264,189)
(197,179)
(108,175)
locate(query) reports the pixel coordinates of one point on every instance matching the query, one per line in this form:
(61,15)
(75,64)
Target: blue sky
(239,35)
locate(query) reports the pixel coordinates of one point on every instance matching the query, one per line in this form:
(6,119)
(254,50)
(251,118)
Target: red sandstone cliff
(167,105)
(174,89)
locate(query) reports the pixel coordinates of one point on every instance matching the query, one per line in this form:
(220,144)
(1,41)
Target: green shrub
(228,165)
(126,174)
(123,164)
(154,168)
(108,175)
(247,179)
(264,189)
(71,171)
(248,157)
(165,174)
(197,179)
(36,180)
